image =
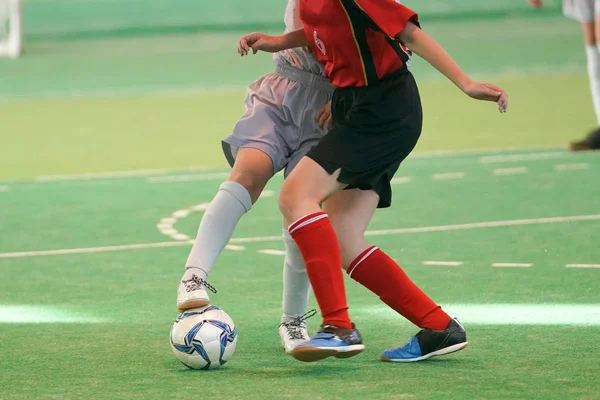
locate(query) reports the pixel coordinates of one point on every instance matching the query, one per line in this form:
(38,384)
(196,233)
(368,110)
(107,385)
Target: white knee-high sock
(217,225)
(296,286)
(593,63)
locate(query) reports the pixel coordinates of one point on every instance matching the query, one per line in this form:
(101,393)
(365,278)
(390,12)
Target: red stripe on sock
(320,249)
(382,276)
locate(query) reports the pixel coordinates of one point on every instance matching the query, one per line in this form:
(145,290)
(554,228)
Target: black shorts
(374,129)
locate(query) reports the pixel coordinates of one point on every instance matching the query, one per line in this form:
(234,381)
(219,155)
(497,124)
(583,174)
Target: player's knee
(252,183)
(295,202)
(287,200)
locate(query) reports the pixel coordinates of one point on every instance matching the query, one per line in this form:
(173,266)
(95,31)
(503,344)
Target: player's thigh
(350,212)
(266,125)
(307,186)
(252,169)
(258,147)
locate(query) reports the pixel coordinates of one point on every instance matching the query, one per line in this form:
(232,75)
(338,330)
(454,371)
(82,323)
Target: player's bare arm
(423,45)
(536,3)
(271,44)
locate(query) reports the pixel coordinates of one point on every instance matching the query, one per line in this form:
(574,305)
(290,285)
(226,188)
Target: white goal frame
(11,28)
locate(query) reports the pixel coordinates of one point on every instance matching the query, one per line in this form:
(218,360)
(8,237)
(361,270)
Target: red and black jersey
(354,39)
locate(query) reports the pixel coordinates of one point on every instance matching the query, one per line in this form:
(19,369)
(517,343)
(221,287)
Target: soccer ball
(203,338)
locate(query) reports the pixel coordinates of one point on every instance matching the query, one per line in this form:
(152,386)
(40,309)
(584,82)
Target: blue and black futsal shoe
(330,341)
(429,343)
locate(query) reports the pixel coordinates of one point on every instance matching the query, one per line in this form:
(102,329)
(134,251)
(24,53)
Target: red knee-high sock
(318,244)
(376,271)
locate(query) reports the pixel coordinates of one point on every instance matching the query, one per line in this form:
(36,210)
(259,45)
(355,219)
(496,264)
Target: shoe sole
(192,304)
(310,354)
(442,352)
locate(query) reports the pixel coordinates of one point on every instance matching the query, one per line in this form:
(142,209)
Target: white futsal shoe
(294,331)
(192,290)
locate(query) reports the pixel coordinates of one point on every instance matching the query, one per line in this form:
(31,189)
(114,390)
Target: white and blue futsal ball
(203,338)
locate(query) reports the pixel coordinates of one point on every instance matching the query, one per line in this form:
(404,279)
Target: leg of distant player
(251,172)
(591,34)
(591,37)
(587,12)
(11,17)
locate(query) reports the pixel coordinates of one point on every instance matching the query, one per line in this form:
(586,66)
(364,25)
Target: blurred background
(107,85)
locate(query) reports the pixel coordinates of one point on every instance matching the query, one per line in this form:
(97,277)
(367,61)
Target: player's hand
(258,41)
(324,116)
(488,92)
(536,3)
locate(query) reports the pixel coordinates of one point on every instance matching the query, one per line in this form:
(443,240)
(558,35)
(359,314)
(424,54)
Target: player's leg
(300,198)
(255,153)
(592,141)
(317,92)
(251,172)
(350,212)
(587,12)
(296,289)
(11,36)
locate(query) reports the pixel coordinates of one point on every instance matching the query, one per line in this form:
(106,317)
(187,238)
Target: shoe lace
(195,283)
(296,325)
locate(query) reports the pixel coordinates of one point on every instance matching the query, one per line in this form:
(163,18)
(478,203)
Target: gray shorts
(280,117)
(581,10)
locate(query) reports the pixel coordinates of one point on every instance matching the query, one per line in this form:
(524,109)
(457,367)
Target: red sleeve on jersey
(389,15)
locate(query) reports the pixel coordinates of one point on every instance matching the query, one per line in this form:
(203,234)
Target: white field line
(84,250)
(401,180)
(511,265)
(572,167)
(272,252)
(501,158)
(384,232)
(118,174)
(3,188)
(443,263)
(491,224)
(507,314)
(448,176)
(188,178)
(510,171)
(234,247)
(267,193)
(423,155)
(256,239)
(583,265)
